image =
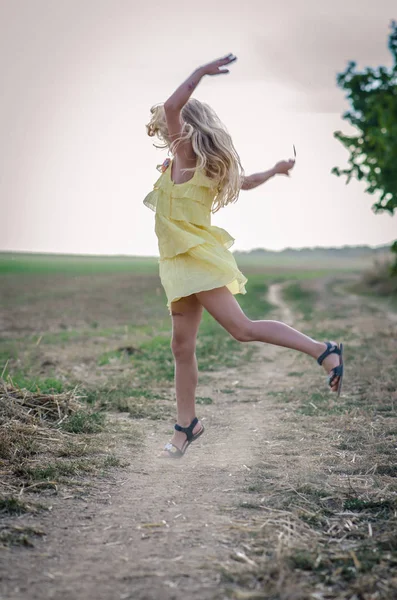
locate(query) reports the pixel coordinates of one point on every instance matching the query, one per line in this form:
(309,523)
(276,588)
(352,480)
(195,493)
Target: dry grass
(22,405)
(43,441)
(328,529)
(378,280)
(330,539)
(28,421)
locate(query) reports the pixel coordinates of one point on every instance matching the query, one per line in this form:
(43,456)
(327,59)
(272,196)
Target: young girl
(196,268)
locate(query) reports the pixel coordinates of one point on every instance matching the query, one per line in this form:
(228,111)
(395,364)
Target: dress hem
(226,245)
(241,290)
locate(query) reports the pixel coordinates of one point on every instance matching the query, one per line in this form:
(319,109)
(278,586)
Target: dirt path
(160,529)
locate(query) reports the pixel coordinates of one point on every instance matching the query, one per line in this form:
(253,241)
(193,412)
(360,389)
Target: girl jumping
(196,268)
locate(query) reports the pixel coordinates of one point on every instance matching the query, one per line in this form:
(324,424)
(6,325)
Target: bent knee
(243,332)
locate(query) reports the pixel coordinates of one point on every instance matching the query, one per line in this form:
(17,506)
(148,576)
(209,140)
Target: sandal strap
(173,451)
(188,431)
(331,349)
(336,372)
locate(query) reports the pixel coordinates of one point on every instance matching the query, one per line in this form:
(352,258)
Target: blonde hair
(212,144)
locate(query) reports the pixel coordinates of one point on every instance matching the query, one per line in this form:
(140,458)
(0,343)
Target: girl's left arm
(281,168)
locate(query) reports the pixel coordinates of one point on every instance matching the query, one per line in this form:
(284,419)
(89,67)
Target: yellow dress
(194,255)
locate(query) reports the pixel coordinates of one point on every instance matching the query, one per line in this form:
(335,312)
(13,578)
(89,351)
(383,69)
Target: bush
(380,279)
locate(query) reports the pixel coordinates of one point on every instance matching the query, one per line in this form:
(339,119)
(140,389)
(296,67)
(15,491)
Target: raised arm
(178,99)
(281,168)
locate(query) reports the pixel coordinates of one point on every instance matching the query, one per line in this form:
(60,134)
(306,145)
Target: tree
(372,94)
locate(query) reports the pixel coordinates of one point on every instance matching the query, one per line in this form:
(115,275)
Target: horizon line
(297,249)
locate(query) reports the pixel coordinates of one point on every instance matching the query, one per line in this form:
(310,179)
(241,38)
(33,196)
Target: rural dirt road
(164,530)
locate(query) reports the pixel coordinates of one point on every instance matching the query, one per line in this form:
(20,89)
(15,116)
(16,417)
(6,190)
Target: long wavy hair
(211,142)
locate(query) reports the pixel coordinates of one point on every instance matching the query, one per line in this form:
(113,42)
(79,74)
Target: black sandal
(173,451)
(336,371)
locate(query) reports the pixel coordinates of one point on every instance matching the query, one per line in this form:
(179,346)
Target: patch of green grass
(312,492)
(155,361)
(20,263)
(7,352)
(325,566)
(379,507)
(77,335)
(140,403)
(318,404)
(154,412)
(274,394)
(139,406)
(250,505)
(204,400)
(216,349)
(89,395)
(390,470)
(333,333)
(107,357)
(48,385)
(303,299)
(73,448)
(296,373)
(303,560)
(316,520)
(348,445)
(309,410)
(254,303)
(56,471)
(255,488)
(84,422)
(13,506)
(280,395)
(112,461)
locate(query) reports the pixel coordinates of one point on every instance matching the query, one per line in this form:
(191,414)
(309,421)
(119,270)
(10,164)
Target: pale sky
(78,78)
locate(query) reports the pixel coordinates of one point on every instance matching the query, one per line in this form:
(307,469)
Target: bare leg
(223,306)
(186,317)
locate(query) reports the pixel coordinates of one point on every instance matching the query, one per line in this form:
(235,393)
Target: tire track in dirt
(275,297)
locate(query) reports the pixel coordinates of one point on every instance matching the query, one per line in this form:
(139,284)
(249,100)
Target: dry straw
(29,424)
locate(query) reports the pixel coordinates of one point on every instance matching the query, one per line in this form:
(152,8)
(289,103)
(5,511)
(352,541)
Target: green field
(73,264)
(339,260)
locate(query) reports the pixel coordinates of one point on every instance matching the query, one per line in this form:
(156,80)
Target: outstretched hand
(284,167)
(217,66)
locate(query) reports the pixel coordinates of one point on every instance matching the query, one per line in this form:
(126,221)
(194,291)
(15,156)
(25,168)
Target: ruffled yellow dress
(194,254)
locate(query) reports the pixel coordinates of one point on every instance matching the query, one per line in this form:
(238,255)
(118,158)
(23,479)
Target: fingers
(228,59)
(216,66)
